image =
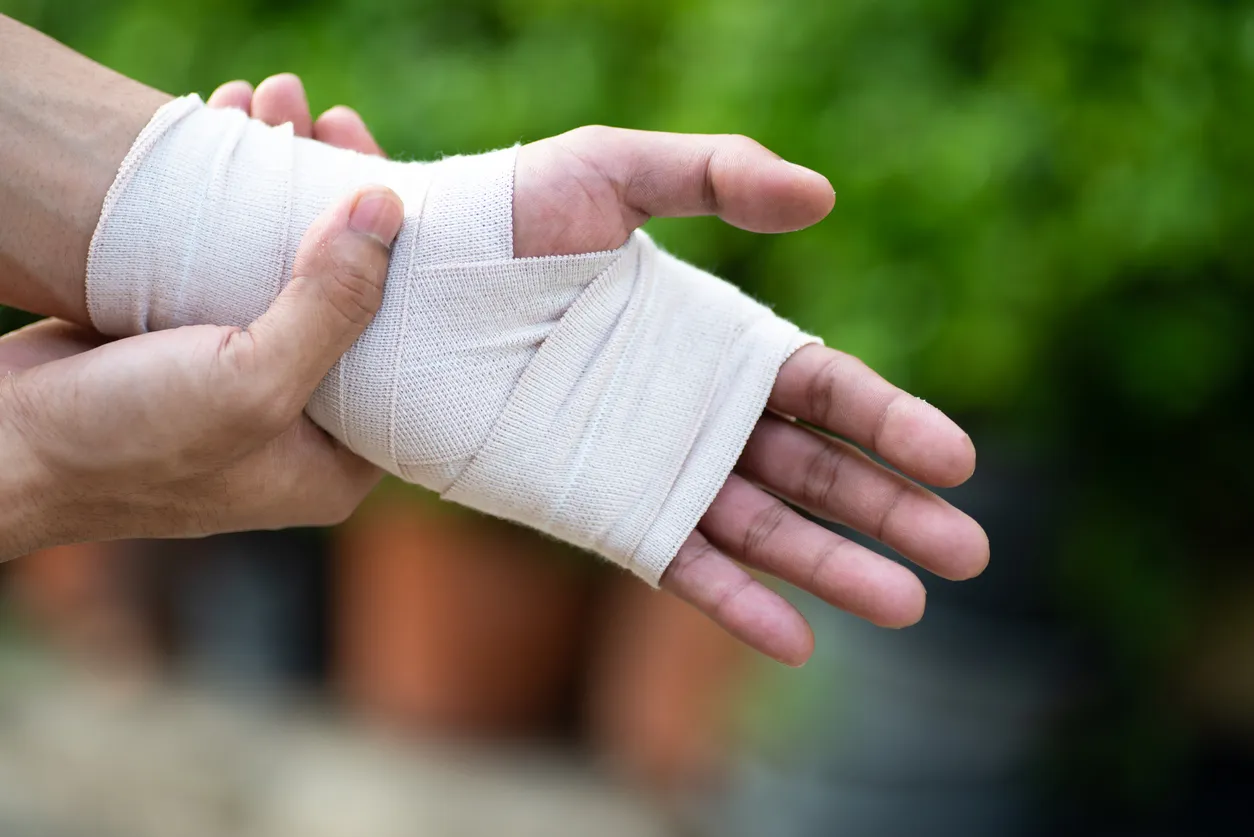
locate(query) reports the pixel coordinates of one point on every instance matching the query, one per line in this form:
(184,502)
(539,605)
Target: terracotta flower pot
(84,599)
(452,623)
(664,684)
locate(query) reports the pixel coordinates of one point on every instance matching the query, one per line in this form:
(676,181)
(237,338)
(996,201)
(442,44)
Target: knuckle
(236,354)
(726,597)
(729,148)
(827,386)
(822,475)
(246,406)
(762,527)
(897,494)
(817,581)
(694,552)
(740,142)
(881,421)
(821,391)
(354,287)
(590,135)
(237,372)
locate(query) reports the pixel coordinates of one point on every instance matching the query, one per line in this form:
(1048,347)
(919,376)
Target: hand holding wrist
(199,430)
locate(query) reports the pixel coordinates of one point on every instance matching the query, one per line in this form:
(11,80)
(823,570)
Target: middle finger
(281,99)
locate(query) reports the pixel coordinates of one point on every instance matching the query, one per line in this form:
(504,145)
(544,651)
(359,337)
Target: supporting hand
(200,429)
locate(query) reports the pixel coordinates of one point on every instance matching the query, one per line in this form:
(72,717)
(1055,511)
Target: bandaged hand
(539,358)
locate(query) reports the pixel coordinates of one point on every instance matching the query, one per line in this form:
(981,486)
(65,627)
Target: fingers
(342,127)
(836,481)
(674,175)
(233,94)
(841,394)
(344,479)
(760,531)
(336,289)
(281,99)
(706,578)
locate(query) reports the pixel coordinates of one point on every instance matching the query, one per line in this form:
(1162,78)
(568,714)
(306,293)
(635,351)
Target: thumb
(661,175)
(336,289)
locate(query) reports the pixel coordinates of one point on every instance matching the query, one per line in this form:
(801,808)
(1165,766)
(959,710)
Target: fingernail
(378,213)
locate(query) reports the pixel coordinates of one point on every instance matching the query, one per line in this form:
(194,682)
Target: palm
(586,191)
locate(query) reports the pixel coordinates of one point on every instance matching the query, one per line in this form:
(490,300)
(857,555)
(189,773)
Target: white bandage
(601,398)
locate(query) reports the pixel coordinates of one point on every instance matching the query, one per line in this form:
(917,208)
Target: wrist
(27,507)
(65,125)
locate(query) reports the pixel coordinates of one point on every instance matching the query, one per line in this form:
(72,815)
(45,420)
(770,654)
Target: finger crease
(820,564)
(729,596)
(882,421)
(903,488)
(687,557)
(764,524)
(822,475)
(709,192)
(822,391)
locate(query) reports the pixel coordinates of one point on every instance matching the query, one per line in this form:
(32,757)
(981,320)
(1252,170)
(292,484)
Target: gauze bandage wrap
(601,398)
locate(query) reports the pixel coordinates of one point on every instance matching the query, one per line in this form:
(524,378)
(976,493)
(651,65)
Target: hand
(201,429)
(586,190)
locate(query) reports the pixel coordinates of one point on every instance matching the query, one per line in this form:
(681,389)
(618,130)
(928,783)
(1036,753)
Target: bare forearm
(66,122)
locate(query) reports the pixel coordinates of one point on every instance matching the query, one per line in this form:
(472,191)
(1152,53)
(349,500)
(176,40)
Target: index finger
(839,393)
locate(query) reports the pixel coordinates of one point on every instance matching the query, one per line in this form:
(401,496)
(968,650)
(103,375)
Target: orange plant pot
(663,690)
(449,623)
(78,597)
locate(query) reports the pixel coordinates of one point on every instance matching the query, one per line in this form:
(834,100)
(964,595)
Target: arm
(588,190)
(65,124)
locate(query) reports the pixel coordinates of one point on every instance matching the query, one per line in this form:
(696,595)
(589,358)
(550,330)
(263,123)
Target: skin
(583,191)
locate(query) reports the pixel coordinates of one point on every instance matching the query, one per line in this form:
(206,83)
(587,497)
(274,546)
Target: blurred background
(1042,226)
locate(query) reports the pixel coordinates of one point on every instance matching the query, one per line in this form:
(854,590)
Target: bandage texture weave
(601,398)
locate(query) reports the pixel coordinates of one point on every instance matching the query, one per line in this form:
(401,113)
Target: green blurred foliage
(1041,218)
(996,164)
